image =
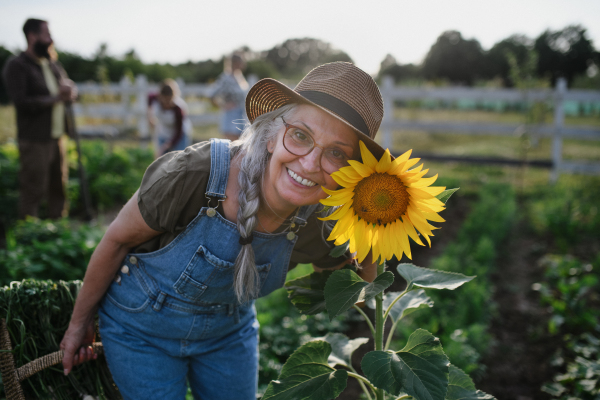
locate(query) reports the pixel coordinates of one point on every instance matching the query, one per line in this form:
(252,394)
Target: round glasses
(300,143)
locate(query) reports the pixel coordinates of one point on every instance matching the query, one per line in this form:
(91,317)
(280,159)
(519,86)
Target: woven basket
(13,376)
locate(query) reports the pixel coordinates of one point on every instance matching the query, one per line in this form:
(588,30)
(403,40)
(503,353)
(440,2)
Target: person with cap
(214,227)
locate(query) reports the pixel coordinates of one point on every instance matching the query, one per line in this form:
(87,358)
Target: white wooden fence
(134,113)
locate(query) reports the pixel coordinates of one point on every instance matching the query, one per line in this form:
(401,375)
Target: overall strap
(219,168)
(303,214)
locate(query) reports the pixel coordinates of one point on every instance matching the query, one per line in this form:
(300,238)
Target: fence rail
(133,113)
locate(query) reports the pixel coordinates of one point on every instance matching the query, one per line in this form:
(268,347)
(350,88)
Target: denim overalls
(172,315)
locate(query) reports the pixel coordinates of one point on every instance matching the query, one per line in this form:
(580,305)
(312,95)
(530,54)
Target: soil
(517,363)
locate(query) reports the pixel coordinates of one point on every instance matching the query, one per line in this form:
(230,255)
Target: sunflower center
(380,198)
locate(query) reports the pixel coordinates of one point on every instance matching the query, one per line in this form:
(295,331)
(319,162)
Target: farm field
(519,326)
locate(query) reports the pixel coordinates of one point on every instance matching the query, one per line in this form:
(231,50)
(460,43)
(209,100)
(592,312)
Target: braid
(254,140)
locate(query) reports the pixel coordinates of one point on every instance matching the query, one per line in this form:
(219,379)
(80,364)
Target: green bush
(9,185)
(462,322)
(48,250)
(113,175)
(37,315)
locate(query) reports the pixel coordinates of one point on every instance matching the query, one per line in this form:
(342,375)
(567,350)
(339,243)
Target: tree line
(567,52)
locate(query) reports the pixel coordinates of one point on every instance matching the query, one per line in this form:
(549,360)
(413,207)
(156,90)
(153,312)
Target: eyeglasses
(300,143)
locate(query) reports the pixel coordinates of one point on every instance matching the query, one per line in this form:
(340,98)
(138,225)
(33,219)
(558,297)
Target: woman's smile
(302,181)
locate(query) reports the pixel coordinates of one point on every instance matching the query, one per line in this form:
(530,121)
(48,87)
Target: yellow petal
(338,199)
(339,213)
(342,226)
(395,237)
(385,163)
(418,193)
(434,190)
(403,239)
(376,245)
(343,180)
(368,159)
(350,172)
(362,169)
(415,175)
(425,182)
(402,159)
(433,217)
(388,241)
(410,163)
(410,230)
(364,237)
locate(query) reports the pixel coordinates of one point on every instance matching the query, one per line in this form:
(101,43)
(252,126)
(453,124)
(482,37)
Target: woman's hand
(77,345)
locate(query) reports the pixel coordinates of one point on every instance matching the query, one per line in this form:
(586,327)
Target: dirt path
(518,362)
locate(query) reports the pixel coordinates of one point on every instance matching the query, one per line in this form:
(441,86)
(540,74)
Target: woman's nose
(312,161)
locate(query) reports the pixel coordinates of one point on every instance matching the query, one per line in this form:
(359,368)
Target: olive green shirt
(172,194)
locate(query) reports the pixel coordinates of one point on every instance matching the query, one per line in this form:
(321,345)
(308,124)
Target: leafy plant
(37,314)
(421,370)
(44,249)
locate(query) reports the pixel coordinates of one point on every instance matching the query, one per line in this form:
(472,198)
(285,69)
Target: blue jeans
(152,367)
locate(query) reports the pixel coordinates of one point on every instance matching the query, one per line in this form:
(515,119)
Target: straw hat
(339,88)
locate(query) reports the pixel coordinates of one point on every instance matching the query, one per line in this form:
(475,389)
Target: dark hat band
(337,106)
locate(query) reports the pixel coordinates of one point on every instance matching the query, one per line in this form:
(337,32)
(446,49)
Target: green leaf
(409,303)
(431,278)
(445,195)
(342,348)
(420,369)
(344,288)
(307,292)
(306,375)
(461,387)
(340,250)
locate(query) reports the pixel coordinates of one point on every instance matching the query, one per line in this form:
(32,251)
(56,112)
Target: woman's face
(286,169)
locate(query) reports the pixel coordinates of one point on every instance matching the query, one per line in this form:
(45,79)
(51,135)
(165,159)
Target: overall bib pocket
(129,295)
(209,279)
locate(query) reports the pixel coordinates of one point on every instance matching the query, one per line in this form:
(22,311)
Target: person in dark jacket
(39,88)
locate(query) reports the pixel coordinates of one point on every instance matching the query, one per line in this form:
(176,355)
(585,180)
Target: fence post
(141,84)
(559,123)
(124,88)
(388,111)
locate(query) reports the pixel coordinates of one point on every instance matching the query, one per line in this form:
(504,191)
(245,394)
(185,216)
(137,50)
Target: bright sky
(179,30)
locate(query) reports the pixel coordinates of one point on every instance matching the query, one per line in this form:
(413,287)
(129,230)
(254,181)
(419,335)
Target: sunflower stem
(379,324)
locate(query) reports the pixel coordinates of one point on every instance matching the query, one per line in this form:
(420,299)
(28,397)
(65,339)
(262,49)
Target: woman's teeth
(298,179)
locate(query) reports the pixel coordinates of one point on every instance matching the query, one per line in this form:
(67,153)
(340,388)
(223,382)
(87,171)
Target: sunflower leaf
(344,288)
(409,303)
(420,369)
(339,251)
(431,278)
(342,348)
(307,292)
(306,375)
(461,387)
(445,195)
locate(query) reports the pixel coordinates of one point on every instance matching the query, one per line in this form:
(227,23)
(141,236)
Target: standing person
(167,114)
(214,227)
(39,88)
(229,94)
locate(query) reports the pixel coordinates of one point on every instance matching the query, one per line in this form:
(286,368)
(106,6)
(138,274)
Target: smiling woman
(214,227)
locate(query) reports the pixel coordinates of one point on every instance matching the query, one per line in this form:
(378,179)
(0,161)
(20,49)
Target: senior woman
(212,228)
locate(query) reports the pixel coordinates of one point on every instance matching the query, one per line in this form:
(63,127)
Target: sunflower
(382,204)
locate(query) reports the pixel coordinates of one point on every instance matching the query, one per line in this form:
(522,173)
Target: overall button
(211,212)
(125,269)
(133,260)
(291,235)
(118,279)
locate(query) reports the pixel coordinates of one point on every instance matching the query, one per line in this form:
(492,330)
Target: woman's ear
(271,146)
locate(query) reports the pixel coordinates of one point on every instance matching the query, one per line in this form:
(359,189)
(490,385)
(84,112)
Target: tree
(564,53)
(400,73)
(454,58)
(294,58)
(496,63)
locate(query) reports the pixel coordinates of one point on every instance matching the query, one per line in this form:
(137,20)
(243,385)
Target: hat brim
(269,94)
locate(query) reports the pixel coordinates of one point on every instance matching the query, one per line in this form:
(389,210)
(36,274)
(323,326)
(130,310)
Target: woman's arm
(368,271)
(127,231)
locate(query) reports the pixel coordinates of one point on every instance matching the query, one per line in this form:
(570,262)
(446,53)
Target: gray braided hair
(255,159)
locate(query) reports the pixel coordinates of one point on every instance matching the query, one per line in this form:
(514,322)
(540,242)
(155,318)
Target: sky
(176,31)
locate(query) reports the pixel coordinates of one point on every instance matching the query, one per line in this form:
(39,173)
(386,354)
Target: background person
(167,114)
(229,94)
(214,227)
(39,88)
